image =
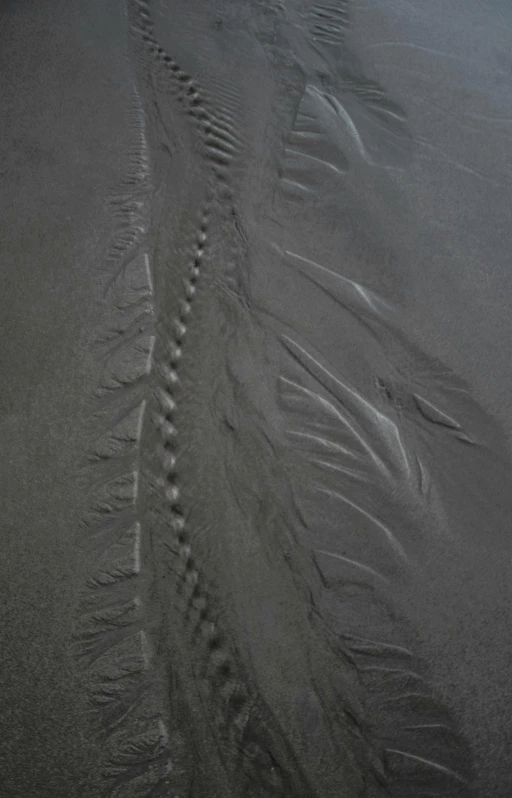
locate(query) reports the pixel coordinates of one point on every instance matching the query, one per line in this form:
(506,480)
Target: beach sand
(256,418)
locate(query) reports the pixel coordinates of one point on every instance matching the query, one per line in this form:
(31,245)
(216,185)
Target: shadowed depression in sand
(256,406)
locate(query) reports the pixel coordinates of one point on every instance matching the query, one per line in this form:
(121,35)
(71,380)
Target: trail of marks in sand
(250,746)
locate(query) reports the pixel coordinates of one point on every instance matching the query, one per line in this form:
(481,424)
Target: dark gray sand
(256,404)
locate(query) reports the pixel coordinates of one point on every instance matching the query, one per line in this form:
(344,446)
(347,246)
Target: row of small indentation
(181,76)
(217,130)
(167,400)
(197,600)
(221,143)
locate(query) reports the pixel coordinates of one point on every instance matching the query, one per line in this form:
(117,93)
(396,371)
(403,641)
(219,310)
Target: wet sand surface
(256,415)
